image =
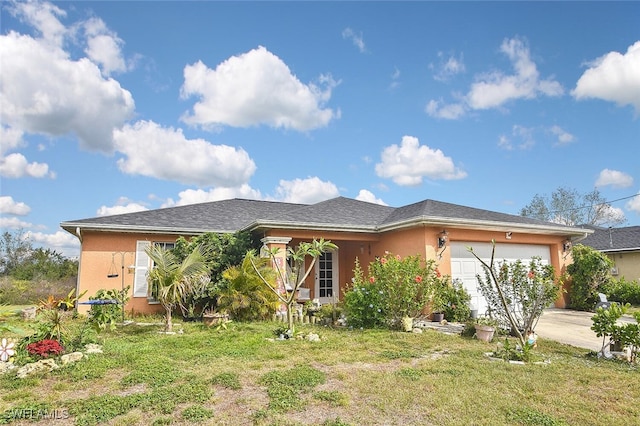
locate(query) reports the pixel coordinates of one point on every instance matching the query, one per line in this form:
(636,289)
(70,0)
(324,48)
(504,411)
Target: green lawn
(351,377)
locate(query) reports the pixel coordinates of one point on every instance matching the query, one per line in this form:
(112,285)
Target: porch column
(279,262)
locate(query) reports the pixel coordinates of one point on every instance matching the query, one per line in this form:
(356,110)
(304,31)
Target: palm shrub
(589,271)
(243,294)
(170,279)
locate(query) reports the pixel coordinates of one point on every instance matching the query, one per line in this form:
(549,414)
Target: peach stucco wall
(98,248)
(421,241)
(98,251)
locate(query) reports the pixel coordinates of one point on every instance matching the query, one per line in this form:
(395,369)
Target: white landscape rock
(44,365)
(71,358)
(92,348)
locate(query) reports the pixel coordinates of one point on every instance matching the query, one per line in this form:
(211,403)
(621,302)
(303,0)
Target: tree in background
(568,207)
(28,274)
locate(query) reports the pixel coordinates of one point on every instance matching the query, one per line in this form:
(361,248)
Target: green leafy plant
(589,271)
(106,316)
(621,290)
(364,301)
(243,293)
(605,324)
(69,302)
(455,301)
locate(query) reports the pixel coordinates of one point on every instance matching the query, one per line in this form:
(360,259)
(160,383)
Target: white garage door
(465,267)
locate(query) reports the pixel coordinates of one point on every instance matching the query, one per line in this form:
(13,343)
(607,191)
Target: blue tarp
(100,302)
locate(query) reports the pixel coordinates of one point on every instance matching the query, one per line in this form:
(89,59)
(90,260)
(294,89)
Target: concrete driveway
(570,327)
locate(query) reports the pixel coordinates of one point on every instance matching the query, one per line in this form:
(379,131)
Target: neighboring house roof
(613,239)
(337,214)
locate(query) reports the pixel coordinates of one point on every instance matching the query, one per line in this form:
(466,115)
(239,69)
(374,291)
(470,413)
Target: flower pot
(407,324)
(214,319)
(438,316)
(484,332)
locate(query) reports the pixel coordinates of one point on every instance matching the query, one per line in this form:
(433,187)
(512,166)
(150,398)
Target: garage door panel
(465,267)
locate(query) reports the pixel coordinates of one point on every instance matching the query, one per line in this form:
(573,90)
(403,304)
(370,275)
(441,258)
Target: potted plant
(211,317)
(439,300)
(485,328)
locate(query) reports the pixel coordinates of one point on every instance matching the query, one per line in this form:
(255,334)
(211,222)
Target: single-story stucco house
(431,229)
(622,246)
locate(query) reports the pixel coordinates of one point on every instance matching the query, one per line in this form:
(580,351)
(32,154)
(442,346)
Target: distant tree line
(21,261)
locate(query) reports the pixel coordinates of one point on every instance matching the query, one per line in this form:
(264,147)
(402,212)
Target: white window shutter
(140,286)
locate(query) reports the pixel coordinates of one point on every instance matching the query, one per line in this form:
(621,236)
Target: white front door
(327,277)
(465,267)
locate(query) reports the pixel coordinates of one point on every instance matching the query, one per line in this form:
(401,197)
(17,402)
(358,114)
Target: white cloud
(494,89)
(13,223)
(358,41)
(16,166)
(563,136)
(165,153)
(122,206)
(369,197)
(614,178)
(306,191)
(11,139)
(60,241)
(395,79)
(447,111)
(104,47)
(194,196)
(614,77)
(9,206)
(256,88)
(43,16)
(44,91)
(613,215)
(410,162)
(521,138)
(634,204)
(448,67)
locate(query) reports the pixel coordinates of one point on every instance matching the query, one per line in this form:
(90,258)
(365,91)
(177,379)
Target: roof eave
(486,225)
(71,228)
(268,224)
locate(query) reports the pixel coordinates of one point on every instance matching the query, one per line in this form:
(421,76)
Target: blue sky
(114,107)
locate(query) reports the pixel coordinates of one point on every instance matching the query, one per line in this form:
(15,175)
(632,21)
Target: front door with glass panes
(327,278)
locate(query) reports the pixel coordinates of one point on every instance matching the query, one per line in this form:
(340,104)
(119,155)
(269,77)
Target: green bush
(622,291)
(363,302)
(456,302)
(590,270)
(396,287)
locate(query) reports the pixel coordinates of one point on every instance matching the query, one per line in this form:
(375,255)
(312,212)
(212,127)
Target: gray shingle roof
(439,209)
(335,214)
(217,216)
(614,239)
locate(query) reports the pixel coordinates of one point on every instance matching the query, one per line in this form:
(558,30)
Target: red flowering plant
(45,348)
(404,285)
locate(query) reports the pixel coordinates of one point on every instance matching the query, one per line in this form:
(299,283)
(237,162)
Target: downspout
(79,235)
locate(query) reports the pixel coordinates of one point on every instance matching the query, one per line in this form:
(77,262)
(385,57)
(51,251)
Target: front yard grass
(241,376)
